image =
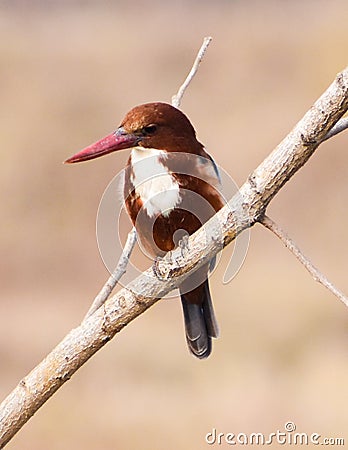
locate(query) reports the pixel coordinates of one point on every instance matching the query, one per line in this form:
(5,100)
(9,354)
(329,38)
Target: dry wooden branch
(245,208)
(176,99)
(116,274)
(338,128)
(290,244)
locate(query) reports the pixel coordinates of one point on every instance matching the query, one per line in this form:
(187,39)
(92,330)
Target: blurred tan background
(69,72)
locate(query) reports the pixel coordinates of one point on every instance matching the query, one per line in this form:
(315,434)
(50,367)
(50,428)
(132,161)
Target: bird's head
(152,125)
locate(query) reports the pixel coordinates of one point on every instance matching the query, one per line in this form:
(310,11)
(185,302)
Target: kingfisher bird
(171,188)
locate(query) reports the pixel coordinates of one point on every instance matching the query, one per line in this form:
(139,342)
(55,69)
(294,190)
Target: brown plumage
(170,186)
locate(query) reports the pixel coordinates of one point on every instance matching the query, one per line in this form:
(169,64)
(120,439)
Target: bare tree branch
(116,274)
(290,244)
(176,99)
(246,208)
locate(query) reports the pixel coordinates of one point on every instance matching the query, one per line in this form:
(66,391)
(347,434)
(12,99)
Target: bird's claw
(158,270)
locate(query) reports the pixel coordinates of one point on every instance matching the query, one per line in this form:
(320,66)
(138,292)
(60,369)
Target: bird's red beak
(118,140)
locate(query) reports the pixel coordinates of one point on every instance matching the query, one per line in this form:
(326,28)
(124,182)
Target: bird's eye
(150,129)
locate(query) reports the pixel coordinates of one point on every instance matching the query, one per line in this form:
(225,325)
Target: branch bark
(245,208)
(338,128)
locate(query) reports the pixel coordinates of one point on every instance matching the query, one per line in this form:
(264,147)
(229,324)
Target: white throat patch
(153,182)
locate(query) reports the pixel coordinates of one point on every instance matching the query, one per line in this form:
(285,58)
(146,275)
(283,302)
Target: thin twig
(340,126)
(116,274)
(176,99)
(290,244)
